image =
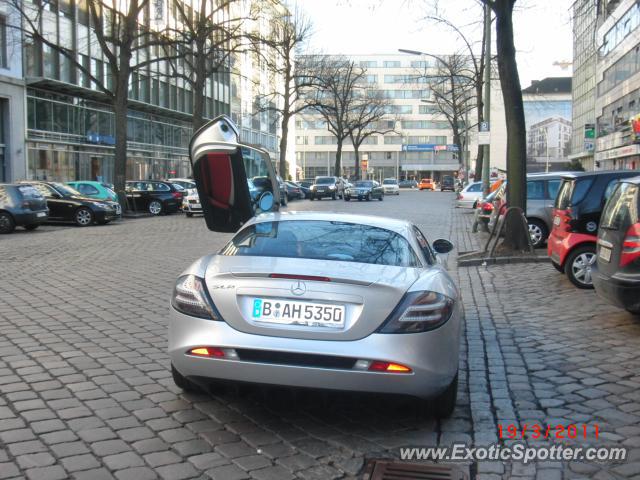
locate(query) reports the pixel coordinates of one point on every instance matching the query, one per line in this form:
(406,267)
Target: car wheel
(155,207)
(557,267)
(7,225)
(333,197)
(537,232)
(189,214)
(633,311)
(182,382)
(31,226)
(578,266)
(381,197)
(443,405)
(312,198)
(368,197)
(83,217)
(346,199)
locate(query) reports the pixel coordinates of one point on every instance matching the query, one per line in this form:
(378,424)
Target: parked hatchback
(99,190)
(617,277)
(153,196)
(469,196)
(23,206)
(66,204)
(576,217)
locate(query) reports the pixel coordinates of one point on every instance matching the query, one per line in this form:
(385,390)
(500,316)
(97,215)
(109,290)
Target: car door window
(87,189)
(45,190)
(475,187)
(609,190)
(160,187)
(535,190)
(553,186)
(424,246)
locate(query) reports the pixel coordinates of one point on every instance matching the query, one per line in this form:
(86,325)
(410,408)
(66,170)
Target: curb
(476,262)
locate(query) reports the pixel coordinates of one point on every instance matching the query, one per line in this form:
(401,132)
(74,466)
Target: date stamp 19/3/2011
(539,431)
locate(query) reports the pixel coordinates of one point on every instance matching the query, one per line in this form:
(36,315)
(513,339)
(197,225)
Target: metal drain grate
(392,470)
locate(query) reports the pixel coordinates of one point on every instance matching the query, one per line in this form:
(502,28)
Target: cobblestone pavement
(86,392)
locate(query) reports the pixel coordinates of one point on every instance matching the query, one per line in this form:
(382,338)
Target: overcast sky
(543,29)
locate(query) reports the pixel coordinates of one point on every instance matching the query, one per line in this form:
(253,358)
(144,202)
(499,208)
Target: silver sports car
(320,300)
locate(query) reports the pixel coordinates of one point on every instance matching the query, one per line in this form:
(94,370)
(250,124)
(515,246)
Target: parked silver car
(542,189)
(288,302)
(469,195)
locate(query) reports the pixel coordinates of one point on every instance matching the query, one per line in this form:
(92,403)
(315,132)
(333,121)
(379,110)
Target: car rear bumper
(30,218)
(329,193)
(621,292)
(559,247)
(432,356)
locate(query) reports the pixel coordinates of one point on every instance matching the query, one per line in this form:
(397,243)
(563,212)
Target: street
(86,390)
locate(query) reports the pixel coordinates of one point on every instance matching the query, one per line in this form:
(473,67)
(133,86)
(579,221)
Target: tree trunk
(120,103)
(198,89)
(338,165)
(283,145)
(356,154)
(514,115)
(480,112)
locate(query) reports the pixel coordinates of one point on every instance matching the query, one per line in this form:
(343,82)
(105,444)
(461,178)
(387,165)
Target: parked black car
(305,186)
(294,191)
(331,187)
(68,205)
(153,196)
(284,196)
(23,206)
(617,275)
(447,183)
(365,190)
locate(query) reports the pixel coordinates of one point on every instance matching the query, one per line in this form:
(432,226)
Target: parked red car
(576,216)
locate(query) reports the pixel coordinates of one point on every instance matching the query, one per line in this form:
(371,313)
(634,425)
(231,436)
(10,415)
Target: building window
(3,42)
(391,64)
(368,64)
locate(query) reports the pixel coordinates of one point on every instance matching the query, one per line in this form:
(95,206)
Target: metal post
(486,170)
(328,164)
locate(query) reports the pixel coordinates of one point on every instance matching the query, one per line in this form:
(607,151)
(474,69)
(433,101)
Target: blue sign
(103,139)
(428,147)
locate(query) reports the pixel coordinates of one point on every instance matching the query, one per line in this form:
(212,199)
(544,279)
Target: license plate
(605,254)
(291,312)
(556,220)
(196,205)
(41,214)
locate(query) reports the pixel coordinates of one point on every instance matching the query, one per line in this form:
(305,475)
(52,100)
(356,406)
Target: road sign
(484,127)
(484,138)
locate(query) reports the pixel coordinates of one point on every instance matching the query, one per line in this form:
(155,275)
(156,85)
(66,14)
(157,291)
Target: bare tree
(204,36)
(367,116)
(123,35)
(514,116)
(453,85)
(288,96)
(337,79)
(476,64)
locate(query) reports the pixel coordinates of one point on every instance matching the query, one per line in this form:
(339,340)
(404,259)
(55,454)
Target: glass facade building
(70,123)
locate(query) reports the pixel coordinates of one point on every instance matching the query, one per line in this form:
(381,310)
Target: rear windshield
(27,191)
(325,180)
(363,184)
(572,192)
(323,240)
(390,182)
(621,210)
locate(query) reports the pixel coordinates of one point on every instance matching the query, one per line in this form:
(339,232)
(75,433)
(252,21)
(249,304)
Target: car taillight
(177,195)
(630,245)
(487,206)
(190,297)
(419,312)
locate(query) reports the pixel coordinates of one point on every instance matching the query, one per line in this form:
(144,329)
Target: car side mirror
(221,166)
(442,246)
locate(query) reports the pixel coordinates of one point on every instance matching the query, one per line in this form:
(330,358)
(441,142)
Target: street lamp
(398,126)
